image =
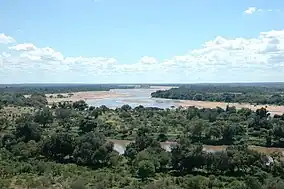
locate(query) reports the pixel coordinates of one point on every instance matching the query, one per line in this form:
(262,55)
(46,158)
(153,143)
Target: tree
(37,100)
(43,116)
(80,105)
(196,182)
(23,150)
(87,125)
(58,146)
(214,131)
(196,129)
(92,150)
(186,157)
(27,131)
(143,140)
(145,169)
(62,113)
(4,122)
(130,151)
(126,107)
(228,134)
(262,113)
(162,137)
(252,183)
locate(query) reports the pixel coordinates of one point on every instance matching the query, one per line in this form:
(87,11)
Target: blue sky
(108,41)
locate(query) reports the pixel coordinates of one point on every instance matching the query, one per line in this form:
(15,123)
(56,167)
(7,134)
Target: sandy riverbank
(89,95)
(84,95)
(206,104)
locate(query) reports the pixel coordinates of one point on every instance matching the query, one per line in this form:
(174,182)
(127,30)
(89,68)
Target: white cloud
(43,54)
(23,47)
(6,55)
(4,39)
(148,60)
(91,60)
(220,59)
(252,10)
(266,50)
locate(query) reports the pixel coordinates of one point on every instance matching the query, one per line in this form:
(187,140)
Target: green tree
(145,169)
(43,116)
(27,131)
(92,150)
(80,105)
(58,146)
(87,125)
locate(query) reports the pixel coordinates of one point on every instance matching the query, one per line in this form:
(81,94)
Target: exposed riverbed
(136,97)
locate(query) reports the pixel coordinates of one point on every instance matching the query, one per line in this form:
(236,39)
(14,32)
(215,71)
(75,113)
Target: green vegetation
(226,93)
(58,88)
(67,146)
(15,94)
(18,99)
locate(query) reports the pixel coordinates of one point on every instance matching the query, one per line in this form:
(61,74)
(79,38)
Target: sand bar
(273,109)
(84,95)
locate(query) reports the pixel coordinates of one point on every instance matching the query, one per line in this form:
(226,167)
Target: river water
(134,97)
(120,146)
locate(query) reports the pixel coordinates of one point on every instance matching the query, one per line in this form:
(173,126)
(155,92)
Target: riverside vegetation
(235,93)
(66,146)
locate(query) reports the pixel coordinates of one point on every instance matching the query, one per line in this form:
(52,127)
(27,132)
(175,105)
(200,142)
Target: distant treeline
(17,99)
(60,88)
(14,94)
(226,93)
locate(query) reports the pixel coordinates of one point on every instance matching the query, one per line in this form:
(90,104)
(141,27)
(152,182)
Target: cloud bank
(218,60)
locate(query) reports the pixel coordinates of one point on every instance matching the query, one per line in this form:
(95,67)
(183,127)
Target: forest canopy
(70,145)
(253,94)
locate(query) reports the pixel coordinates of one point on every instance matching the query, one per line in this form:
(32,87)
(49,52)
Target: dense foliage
(59,88)
(225,93)
(69,146)
(15,94)
(17,99)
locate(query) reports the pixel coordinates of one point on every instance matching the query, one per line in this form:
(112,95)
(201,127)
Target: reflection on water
(133,97)
(120,146)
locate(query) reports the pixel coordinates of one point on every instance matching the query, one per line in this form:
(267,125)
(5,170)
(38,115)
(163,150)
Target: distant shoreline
(273,109)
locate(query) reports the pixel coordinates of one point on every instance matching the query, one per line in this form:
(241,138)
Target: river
(135,97)
(120,146)
(142,96)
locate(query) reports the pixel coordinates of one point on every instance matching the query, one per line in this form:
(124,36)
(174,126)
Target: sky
(141,41)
